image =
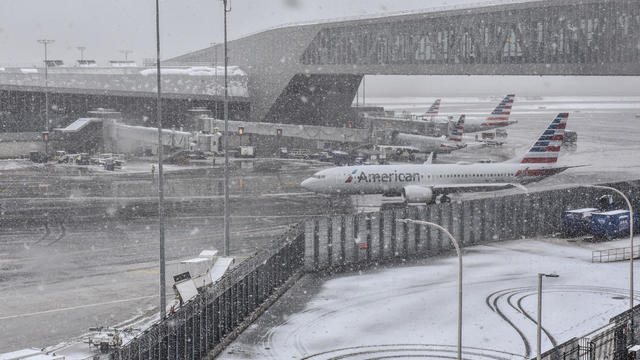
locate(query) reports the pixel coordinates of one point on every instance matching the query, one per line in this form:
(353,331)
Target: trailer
(576,222)
(609,224)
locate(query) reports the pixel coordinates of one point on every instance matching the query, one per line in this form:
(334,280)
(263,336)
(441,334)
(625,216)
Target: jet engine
(417,194)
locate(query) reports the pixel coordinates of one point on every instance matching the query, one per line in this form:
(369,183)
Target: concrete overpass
(310,73)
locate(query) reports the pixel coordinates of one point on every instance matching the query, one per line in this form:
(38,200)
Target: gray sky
(105,27)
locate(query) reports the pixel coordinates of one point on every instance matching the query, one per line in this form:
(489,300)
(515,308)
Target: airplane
(499,117)
(432,111)
(422,183)
(428,144)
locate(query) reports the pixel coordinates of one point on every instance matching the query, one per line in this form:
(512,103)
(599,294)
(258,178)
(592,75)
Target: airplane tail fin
(503,110)
(546,149)
(434,109)
(458,130)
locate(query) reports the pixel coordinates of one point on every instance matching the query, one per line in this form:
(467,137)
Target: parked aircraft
(422,183)
(432,112)
(428,144)
(499,117)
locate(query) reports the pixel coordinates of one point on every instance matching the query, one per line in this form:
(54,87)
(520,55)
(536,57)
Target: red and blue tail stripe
(456,134)
(434,109)
(504,108)
(547,147)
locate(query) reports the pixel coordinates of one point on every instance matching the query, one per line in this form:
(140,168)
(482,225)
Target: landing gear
(444,199)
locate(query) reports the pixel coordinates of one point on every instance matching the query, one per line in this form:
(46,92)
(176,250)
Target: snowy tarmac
(410,311)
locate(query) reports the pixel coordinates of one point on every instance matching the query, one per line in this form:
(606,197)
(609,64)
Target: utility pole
(226,9)
(82,49)
(46,42)
(126,53)
(163,297)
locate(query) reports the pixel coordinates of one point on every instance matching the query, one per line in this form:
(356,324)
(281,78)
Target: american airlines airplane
(421,183)
(499,117)
(432,111)
(428,144)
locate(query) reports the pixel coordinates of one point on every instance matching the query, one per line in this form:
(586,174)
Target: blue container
(610,224)
(576,222)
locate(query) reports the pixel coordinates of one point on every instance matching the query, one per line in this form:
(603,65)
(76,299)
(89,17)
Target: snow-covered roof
(583,210)
(612,212)
(195,260)
(197,71)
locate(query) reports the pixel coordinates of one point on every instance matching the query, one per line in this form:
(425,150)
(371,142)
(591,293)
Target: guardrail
(616,254)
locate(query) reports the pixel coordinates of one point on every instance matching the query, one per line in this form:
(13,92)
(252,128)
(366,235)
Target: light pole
(630,239)
(226,9)
(455,244)
(46,42)
(82,49)
(163,300)
(539,333)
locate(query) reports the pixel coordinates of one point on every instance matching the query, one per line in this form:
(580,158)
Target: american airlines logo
(383,177)
(350,177)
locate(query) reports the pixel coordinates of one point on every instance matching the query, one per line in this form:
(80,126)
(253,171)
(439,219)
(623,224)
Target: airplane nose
(306,184)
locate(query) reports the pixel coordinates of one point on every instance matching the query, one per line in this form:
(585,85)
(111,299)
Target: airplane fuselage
(392,179)
(426,144)
(477,124)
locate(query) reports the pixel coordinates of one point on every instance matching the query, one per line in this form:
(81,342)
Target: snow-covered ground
(412,309)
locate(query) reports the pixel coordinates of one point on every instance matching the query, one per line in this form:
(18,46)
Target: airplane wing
(458,188)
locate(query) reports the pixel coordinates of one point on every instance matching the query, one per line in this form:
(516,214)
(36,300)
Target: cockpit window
(317,176)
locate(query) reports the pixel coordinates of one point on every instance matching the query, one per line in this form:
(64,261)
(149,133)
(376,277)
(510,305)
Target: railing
(616,254)
(197,329)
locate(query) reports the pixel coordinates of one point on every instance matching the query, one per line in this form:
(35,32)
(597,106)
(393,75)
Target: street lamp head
(549,275)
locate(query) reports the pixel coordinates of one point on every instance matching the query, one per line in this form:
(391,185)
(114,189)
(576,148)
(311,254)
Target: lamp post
(630,244)
(630,238)
(539,333)
(226,9)
(161,215)
(455,244)
(46,42)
